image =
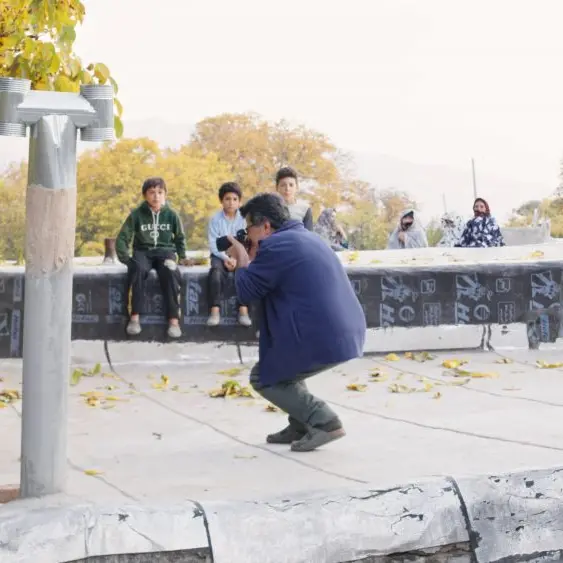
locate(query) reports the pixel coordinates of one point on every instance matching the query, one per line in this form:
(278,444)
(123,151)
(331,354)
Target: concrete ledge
(336,527)
(520,514)
(34,531)
(515,517)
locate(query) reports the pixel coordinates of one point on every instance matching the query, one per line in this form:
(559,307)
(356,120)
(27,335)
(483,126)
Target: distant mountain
(425,183)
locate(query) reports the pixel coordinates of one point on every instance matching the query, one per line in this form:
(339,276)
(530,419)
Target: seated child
(287,186)
(158,240)
(225,222)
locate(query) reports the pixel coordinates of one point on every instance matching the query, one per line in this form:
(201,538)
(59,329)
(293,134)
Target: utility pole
(474,180)
(54,119)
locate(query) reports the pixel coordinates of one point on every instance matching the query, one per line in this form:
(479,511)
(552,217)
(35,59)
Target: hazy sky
(432,81)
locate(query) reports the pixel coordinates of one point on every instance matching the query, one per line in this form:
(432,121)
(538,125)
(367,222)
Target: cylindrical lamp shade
(12,93)
(100,97)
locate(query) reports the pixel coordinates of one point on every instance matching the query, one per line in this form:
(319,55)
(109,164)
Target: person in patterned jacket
(482,231)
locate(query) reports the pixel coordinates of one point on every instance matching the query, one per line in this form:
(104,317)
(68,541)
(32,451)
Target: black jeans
(217,278)
(169,277)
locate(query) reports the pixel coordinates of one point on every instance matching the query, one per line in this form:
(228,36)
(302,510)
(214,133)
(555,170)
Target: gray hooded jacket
(415,235)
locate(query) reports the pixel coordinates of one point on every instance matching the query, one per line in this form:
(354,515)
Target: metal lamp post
(53,119)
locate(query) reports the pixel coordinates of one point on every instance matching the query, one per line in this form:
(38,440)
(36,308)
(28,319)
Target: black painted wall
(452,294)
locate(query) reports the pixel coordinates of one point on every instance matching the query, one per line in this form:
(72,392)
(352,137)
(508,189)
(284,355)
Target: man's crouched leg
(312,423)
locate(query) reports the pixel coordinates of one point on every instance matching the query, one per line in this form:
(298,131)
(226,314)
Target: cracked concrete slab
(517,516)
(46,531)
(333,527)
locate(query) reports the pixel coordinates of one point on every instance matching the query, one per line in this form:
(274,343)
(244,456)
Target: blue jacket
(311,315)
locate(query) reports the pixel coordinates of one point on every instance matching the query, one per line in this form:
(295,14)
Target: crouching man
(158,240)
(311,319)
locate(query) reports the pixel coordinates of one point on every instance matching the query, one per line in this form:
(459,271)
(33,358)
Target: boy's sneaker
(318,436)
(214,319)
(244,320)
(133,327)
(174,331)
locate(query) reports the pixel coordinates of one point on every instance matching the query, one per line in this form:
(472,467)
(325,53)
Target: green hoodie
(149,230)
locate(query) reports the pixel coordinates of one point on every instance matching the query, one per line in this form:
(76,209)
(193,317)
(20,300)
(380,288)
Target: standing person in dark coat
(311,318)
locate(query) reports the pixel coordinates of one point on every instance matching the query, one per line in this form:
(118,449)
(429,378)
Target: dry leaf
(476,374)
(545,365)
(92,401)
(398,388)
(504,361)
(437,395)
(452,364)
(76,376)
(3,405)
(245,456)
(409,355)
(356,387)
(353,257)
(97,369)
(392,358)
(92,472)
(231,388)
(378,377)
(231,371)
(536,254)
(271,408)
(110,387)
(176,388)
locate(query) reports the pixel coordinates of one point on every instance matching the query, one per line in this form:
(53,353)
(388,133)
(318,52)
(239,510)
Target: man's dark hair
(229,188)
(266,207)
(286,172)
(153,183)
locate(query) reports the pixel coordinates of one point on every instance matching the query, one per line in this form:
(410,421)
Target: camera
(223,243)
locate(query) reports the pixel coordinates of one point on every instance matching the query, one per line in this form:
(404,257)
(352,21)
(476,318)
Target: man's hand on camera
(230,264)
(238,252)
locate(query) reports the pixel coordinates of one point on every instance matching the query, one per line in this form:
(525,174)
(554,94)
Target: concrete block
(516,517)
(36,531)
(337,527)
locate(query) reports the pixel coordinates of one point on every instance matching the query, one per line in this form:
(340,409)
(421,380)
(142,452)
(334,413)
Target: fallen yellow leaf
(271,408)
(356,387)
(92,472)
(92,401)
(231,388)
(504,361)
(409,355)
(75,377)
(545,365)
(437,395)
(353,257)
(378,377)
(452,364)
(392,358)
(231,371)
(476,374)
(398,388)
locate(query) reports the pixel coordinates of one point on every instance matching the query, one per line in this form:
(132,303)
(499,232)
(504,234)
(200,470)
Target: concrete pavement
(151,440)
(154,435)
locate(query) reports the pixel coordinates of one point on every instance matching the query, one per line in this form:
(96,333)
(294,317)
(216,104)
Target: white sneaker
(133,328)
(214,319)
(244,320)
(174,331)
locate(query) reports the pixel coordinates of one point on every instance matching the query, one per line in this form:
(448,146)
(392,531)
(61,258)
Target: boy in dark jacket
(158,240)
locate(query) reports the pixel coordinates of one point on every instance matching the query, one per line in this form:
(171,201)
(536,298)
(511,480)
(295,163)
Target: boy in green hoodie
(158,240)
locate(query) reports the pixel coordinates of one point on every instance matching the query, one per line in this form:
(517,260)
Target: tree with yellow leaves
(109,187)
(36,42)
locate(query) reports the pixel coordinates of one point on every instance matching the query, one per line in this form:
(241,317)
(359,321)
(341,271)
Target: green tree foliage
(551,207)
(36,42)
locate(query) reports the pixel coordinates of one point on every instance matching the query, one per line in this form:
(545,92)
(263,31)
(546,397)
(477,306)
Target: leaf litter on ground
(231,388)
(546,365)
(9,396)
